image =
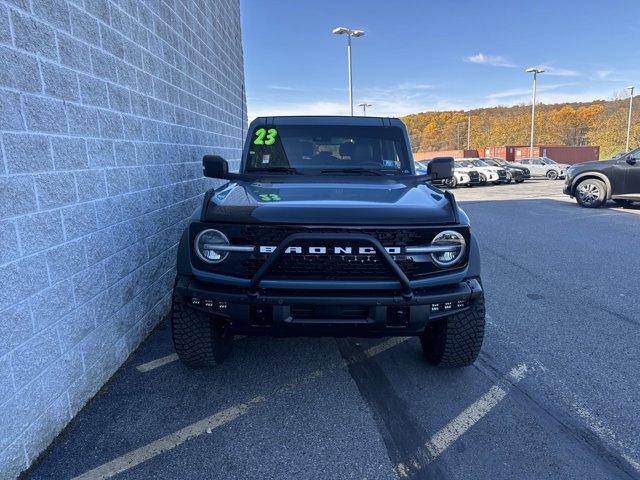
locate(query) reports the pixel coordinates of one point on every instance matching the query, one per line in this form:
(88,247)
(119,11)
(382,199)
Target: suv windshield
(463,163)
(478,163)
(328,149)
(491,162)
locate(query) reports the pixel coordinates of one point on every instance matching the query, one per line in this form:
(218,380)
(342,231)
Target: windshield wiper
(349,170)
(274,170)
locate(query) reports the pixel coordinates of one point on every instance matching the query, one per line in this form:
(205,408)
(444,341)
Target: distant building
(511,153)
(559,153)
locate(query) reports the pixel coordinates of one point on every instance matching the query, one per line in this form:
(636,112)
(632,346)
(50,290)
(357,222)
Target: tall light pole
(349,33)
(630,88)
(535,72)
(469,132)
(364,108)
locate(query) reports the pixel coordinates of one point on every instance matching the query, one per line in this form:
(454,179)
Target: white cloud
(518,92)
(603,74)
(493,60)
(287,88)
(558,72)
(298,108)
(415,86)
(387,101)
(545,95)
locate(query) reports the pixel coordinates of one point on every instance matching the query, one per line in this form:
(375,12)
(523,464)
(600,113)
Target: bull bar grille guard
(254,284)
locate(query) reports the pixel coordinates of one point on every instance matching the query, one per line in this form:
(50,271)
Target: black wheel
(591,193)
(552,175)
(455,341)
(451,182)
(198,339)
(622,203)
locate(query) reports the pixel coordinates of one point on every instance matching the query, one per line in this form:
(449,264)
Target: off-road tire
(455,341)
(599,189)
(622,203)
(552,175)
(198,339)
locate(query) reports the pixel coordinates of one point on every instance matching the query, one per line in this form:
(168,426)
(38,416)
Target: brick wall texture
(106,108)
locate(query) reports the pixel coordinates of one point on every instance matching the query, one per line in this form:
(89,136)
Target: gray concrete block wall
(106,108)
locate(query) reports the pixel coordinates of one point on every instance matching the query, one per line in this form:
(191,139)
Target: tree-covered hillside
(600,122)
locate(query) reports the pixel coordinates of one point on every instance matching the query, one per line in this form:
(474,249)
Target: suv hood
(596,163)
(318,201)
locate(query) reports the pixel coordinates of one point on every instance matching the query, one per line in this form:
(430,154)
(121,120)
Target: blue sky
(435,55)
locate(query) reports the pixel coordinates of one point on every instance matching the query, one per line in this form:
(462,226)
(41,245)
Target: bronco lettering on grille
(330,250)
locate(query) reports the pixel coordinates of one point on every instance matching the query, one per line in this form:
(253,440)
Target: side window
(538,162)
(524,162)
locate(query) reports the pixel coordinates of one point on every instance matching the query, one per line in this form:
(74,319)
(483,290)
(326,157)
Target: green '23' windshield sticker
(269,197)
(265,137)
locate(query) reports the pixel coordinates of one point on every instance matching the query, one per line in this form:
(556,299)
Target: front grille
(337,266)
(302,265)
(274,235)
(502,174)
(474,176)
(331,267)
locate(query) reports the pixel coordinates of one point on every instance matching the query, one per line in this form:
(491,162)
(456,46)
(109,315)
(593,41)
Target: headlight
(451,246)
(206,243)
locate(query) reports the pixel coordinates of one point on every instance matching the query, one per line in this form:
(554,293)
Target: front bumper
(327,312)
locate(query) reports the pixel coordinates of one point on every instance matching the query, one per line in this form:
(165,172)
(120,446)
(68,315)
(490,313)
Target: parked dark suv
(593,183)
(327,231)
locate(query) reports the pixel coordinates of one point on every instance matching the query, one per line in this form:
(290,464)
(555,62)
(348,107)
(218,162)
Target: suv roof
(329,120)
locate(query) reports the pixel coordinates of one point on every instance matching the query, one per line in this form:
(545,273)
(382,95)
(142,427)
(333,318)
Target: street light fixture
(535,72)
(630,88)
(349,33)
(364,108)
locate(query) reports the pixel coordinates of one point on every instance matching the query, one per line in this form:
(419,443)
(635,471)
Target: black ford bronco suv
(327,231)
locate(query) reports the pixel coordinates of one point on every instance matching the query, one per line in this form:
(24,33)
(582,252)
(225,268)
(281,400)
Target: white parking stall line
(168,442)
(208,424)
(451,432)
(158,362)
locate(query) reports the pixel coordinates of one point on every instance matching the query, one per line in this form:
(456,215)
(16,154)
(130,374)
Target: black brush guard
(254,285)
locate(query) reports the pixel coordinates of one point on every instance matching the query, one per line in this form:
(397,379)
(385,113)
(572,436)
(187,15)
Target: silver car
(543,167)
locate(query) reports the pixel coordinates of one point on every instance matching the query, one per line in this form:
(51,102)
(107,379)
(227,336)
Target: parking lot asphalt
(554,394)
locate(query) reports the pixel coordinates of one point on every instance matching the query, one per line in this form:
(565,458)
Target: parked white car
(486,172)
(543,167)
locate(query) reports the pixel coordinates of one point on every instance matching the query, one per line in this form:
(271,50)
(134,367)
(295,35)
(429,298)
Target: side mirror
(632,160)
(214,166)
(440,167)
